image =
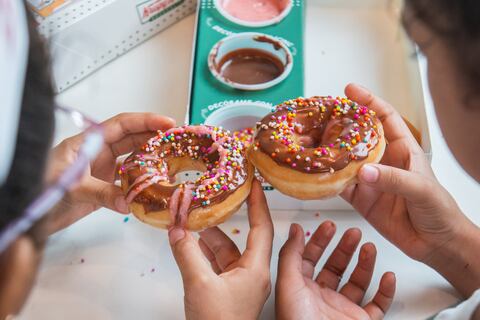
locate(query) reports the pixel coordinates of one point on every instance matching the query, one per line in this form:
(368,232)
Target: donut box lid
(84,35)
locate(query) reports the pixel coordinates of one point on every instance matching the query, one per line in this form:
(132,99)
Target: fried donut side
(305,186)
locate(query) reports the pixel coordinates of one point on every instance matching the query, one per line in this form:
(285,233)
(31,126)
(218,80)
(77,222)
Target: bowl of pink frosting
(254,13)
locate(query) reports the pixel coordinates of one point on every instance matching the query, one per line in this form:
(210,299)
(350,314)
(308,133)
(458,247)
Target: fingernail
(175,234)
(364,255)
(171,120)
(362,89)
(331,229)
(292,232)
(369,174)
(121,205)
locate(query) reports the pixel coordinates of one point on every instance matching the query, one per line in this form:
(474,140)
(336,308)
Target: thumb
(290,256)
(410,185)
(106,195)
(188,255)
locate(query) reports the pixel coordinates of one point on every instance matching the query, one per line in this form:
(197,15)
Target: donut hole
(323,135)
(308,141)
(184,169)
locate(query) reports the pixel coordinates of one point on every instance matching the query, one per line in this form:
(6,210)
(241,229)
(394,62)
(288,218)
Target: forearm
(459,260)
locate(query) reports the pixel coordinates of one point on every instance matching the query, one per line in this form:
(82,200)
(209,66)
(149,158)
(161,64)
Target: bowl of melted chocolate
(250,61)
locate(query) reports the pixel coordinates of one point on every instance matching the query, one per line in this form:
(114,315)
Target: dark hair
(35,131)
(457,22)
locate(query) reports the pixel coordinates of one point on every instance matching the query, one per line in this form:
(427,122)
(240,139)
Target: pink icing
(184,205)
(141,183)
(255,10)
(173,205)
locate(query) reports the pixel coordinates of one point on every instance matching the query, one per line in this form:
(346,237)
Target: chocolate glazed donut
(147,177)
(313,148)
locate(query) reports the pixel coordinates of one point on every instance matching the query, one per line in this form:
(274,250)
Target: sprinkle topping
(151,170)
(317,135)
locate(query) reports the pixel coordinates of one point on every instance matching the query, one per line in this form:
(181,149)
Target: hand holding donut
(402,199)
(123,133)
(235,285)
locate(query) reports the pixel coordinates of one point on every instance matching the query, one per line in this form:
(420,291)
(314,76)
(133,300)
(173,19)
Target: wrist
(457,260)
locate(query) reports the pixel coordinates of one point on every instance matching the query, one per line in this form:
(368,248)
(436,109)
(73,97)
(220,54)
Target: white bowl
(249,40)
(239,115)
(253,24)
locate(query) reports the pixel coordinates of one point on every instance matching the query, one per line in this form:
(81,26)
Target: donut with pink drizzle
(148,178)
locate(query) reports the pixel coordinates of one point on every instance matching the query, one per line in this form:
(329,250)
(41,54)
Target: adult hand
(403,200)
(301,296)
(123,134)
(233,285)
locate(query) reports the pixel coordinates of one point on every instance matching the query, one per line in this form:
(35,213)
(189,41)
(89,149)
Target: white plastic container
(253,24)
(250,40)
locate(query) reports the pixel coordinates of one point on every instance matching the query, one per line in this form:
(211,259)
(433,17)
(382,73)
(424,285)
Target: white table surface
(105,268)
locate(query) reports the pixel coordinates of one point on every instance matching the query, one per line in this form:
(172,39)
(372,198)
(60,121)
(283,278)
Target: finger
(357,285)
(382,300)
(258,251)
(348,193)
(224,249)
(188,255)
(130,142)
(291,257)
(108,156)
(210,256)
(104,194)
(124,124)
(338,261)
(316,246)
(394,126)
(414,187)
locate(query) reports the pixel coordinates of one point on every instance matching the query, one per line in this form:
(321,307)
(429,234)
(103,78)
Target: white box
(84,35)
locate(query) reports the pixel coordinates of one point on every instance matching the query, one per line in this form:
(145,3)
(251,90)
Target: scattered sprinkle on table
(308,233)
(126,219)
(82,260)
(235,231)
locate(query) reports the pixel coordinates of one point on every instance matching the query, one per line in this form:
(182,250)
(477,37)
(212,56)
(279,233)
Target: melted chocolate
(317,135)
(250,66)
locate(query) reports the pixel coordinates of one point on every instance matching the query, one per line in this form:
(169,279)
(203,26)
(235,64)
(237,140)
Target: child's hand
(300,295)
(402,199)
(234,285)
(123,133)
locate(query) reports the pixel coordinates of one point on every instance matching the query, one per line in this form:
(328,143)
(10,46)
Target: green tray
(207,94)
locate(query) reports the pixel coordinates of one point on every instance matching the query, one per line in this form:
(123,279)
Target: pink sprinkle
(356,116)
(308,233)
